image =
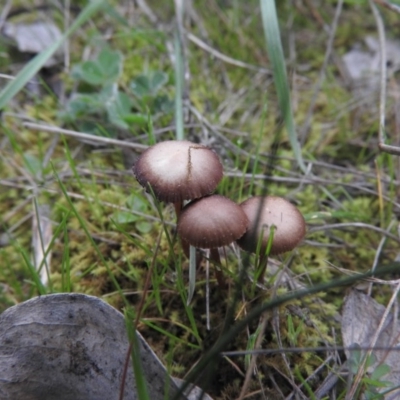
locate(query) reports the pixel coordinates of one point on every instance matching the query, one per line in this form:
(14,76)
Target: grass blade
(192,273)
(140,380)
(275,54)
(178,89)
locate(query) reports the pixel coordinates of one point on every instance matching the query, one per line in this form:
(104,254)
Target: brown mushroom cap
(212,221)
(179,170)
(263,212)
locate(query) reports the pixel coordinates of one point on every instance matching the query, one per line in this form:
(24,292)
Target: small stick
(84,136)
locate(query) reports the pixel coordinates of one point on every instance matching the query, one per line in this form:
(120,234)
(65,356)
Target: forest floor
(71,204)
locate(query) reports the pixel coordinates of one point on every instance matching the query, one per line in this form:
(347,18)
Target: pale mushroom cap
(179,170)
(212,221)
(263,212)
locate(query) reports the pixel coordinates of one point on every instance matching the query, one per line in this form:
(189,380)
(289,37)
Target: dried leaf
(34,37)
(360,320)
(363,63)
(71,347)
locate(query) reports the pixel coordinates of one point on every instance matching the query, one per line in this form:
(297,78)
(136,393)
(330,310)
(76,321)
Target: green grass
(112,240)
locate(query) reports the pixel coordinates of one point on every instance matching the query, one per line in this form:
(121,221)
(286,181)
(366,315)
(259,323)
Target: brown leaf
(71,347)
(360,320)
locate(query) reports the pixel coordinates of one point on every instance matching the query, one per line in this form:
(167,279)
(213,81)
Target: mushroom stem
(178,208)
(216,259)
(186,250)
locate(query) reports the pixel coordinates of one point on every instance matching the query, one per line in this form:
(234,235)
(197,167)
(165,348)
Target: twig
(383,75)
(90,199)
(4,13)
(223,57)
(253,361)
(389,6)
(377,254)
(300,350)
(84,136)
(312,180)
(4,76)
(147,11)
(355,225)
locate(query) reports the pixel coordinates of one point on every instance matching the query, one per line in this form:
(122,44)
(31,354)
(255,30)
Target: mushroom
(211,222)
(178,170)
(265,213)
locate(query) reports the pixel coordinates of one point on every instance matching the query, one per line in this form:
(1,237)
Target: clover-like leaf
(157,80)
(104,69)
(141,86)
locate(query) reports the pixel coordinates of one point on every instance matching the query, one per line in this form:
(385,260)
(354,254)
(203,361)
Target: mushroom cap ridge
(263,212)
(212,221)
(178,170)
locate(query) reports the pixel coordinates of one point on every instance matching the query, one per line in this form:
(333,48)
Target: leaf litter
(361,318)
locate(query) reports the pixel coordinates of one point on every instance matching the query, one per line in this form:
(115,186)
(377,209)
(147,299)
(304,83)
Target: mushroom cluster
(178,171)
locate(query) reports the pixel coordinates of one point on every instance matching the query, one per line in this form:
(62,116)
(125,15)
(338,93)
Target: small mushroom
(178,170)
(211,222)
(265,212)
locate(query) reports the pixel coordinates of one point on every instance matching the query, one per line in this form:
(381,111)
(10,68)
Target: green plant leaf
(376,383)
(141,86)
(380,371)
(148,85)
(157,80)
(80,105)
(163,104)
(355,360)
(276,57)
(101,71)
(179,83)
(136,119)
(140,380)
(118,107)
(137,203)
(110,62)
(144,227)
(89,71)
(124,217)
